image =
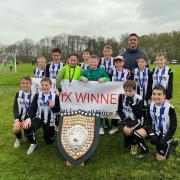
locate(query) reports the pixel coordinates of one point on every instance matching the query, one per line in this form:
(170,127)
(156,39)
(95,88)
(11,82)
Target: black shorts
(49,131)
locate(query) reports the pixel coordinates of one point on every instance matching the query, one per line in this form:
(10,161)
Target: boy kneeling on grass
(22,102)
(42,114)
(161,124)
(130,112)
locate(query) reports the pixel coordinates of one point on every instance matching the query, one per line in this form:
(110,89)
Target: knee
(127,131)
(142,133)
(16,130)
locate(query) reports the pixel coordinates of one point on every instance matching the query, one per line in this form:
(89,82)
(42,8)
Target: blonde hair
(41,57)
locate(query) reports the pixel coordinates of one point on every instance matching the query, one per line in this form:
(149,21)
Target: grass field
(110,161)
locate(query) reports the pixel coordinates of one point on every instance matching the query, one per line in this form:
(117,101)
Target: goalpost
(8,60)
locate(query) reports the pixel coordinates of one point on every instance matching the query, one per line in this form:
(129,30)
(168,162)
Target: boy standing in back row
(95,73)
(54,67)
(107,64)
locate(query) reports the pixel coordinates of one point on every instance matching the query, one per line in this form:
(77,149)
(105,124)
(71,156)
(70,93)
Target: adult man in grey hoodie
(132,53)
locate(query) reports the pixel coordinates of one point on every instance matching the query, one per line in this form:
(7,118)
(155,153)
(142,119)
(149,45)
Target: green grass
(110,161)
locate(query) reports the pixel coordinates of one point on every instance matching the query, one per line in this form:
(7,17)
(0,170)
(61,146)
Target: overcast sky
(36,19)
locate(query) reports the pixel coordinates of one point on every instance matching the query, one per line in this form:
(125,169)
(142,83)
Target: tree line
(153,43)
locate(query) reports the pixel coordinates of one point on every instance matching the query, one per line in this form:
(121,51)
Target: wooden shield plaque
(78,135)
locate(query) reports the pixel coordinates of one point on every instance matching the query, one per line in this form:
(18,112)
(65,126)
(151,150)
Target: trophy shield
(78,135)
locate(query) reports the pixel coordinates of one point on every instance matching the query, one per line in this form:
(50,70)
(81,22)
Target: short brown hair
(56,50)
(129,84)
(143,57)
(46,79)
(94,56)
(108,47)
(27,78)
(160,88)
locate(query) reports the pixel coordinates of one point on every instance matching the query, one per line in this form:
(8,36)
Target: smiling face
(86,55)
(133,42)
(160,61)
(46,86)
(119,63)
(41,63)
(142,63)
(56,56)
(93,63)
(72,60)
(25,85)
(129,91)
(107,52)
(158,96)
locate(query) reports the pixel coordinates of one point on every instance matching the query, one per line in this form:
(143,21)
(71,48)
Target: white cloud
(36,19)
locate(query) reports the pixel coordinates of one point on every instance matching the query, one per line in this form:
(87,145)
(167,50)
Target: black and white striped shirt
(84,66)
(40,107)
(39,73)
(22,104)
(162,120)
(164,77)
(126,111)
(143,80)
(107,64)
(117,75)
(52,69)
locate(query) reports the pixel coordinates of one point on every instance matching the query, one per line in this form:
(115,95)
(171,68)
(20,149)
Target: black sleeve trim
(137,109)
(149,122)
(56,108)
(169,89)
(149,86)
(47,70)
(33,107)
(173,124)
(120,107)
(15,107)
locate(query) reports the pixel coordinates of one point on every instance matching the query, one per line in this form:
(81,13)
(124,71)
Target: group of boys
(143,108)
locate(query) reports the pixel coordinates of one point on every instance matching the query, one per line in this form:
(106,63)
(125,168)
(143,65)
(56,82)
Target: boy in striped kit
(118,74)
(161,124)
(54,67)
(142,76)
(86,56)
(163,75)
(22,102)
(39,72)
(129,110)
(107,64)
(42,114)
